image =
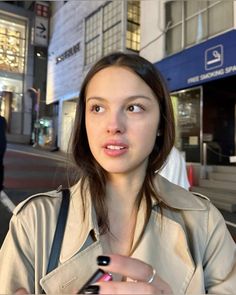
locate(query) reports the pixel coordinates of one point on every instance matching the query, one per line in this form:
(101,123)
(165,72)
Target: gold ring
(152,277)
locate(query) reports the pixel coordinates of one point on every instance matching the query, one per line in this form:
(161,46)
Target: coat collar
(79,227)
(159,247)
(176,196)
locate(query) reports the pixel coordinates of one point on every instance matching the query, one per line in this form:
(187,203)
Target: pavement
(29,171)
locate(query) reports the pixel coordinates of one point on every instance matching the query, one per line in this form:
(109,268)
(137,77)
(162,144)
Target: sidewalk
(29,149)
(29,171)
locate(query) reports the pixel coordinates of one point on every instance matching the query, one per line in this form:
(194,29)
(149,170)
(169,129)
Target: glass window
(112,27)
(103,29)
(192,21)
(133,25)
(194,7)
(174,12)
(111,14)
(186,106)
(173,42)
(92,37)
(196,29)
(111,41)
(12,45)
(220,17)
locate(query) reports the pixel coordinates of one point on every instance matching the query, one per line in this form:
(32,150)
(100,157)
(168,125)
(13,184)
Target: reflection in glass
(188,122)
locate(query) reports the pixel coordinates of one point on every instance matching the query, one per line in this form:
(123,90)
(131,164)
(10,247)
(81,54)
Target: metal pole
(36,94)
(36,144)
(204,171)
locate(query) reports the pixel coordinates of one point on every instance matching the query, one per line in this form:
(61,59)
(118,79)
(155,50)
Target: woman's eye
(97,109)
(135,108)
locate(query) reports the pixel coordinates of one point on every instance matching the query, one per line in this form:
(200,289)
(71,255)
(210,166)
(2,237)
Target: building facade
(23,68)
(80,33)
(193,51)
(193,44)
(16,70)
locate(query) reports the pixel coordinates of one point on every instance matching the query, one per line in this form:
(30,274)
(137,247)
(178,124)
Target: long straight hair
(93,176)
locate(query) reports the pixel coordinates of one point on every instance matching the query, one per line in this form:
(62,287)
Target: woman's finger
(143,275)
(121,288)
(129,267)
(21,291)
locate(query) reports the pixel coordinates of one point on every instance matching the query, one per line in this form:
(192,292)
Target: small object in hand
(152,277)
(99,276)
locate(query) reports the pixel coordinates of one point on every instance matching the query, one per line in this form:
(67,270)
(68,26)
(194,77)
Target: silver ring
(152,277)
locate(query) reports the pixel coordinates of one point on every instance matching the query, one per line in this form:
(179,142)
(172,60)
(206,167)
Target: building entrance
(219,100)
(188,120)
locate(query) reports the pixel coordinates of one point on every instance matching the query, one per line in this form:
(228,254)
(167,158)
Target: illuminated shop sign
(210,60)
(68,53)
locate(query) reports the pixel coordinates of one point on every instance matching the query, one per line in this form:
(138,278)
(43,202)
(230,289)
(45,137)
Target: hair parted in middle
(93,176)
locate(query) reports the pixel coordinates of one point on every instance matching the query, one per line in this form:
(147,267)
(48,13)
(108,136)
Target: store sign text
(68,53)
(209,75)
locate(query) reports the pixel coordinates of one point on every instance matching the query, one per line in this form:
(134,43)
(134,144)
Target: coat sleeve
(16,259)
(219,261)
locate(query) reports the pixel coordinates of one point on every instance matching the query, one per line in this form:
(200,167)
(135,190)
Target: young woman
(153,236)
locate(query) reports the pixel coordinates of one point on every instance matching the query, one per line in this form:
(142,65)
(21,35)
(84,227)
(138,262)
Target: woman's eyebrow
(128,98)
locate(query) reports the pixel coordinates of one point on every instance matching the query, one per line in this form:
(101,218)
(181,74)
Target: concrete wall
(152,30)
(67,29)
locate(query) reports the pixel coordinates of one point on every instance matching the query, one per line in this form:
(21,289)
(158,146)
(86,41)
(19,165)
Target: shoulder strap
(59,232)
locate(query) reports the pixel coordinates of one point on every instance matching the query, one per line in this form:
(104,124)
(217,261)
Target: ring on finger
(149,281)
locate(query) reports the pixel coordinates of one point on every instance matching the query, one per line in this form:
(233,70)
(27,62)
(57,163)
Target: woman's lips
(115,150)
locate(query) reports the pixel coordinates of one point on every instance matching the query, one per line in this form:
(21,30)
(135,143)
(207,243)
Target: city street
(29,171)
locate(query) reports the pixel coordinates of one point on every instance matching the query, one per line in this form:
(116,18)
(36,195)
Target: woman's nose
(116,124)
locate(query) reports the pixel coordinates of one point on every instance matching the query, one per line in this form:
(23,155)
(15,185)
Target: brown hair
(91,173)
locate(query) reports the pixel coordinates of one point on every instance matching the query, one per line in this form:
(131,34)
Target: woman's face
(122,118)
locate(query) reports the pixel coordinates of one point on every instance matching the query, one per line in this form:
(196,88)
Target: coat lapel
(79,251)
(69,277)
(165,247)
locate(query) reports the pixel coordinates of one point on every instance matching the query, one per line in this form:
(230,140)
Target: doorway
(219,99)
(188,121)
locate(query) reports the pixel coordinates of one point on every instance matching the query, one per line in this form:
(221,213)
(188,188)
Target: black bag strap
(59,232)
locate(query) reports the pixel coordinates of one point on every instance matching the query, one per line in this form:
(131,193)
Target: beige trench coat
(191,249)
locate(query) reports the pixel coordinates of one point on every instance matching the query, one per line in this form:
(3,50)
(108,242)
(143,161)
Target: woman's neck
(123,189)
(122,193)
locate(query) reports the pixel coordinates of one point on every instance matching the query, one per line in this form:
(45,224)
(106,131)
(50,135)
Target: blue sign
(210,60)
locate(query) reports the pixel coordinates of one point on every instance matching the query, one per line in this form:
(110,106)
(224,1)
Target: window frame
(119,36)
(185,19)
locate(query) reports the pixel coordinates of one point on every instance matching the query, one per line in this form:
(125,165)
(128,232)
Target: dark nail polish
(103,260)
(92,289)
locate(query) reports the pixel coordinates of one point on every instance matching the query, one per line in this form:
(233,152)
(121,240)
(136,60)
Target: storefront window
(12,45)
(12,68)
(45,131)
(186,105)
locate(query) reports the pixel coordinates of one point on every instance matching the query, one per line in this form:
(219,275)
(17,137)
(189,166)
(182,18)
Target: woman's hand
(21,291)
(140,278)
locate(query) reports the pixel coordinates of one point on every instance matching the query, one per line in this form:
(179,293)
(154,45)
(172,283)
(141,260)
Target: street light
(35,94)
